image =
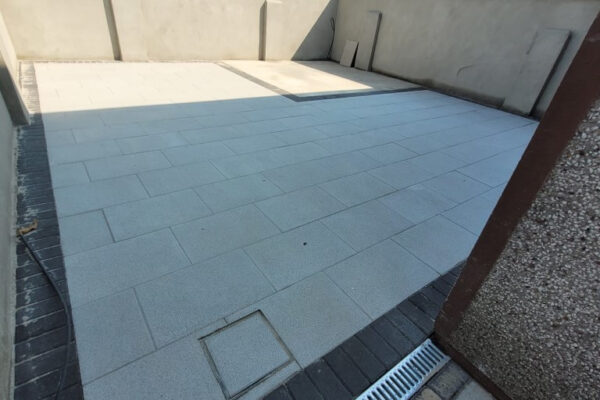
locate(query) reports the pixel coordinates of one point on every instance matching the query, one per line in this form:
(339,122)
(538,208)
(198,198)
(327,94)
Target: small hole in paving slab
(304,244)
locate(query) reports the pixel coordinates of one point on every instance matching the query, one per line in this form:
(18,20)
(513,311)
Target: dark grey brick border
(349,369)
(300,99)
(40,323)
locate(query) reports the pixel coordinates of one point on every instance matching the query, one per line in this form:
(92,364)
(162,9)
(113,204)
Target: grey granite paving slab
(291,256)
(109,269)
(348,53)
(142,216)
(84,232)
(91,196)
(472,214)
(179,371)
(113,167)
(223,119)
(83,151)
(298,208)
(210,236)
(344,144)
(178,178)
(402,174)
(436,162)
(149,143)
(245,352)
(418,203)
(298,176)
(237,192)
(182,302)
(205,135)
(311,317)
(256,162)
(59,138)
(69,174)
(254,143)
(389,153)
(300,135)
(438,242)
(367,39)
(111,332)
(197,153)
(101,133)
(356,189)
(456,186)
(366,224)
(541,59)
(495,170)
(381,276)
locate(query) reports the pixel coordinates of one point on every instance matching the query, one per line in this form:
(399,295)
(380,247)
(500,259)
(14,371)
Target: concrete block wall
(471,48)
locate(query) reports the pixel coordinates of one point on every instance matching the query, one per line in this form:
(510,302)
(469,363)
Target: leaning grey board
(542,56)
(348,53)
(367,41)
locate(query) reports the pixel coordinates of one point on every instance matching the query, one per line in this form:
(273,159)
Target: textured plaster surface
(533,327)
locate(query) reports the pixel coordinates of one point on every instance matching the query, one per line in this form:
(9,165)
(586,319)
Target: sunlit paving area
(211,224)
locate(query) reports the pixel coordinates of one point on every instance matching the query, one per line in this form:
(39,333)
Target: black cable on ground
(21,234)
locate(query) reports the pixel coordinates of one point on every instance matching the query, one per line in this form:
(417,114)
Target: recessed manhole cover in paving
(244,353)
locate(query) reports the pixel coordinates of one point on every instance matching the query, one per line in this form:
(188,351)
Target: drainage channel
(409,375)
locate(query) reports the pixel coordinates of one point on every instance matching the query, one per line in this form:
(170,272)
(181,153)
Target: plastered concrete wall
(473,47)
(58,29)
(217,30)
(299,29)
(534,324)
(168,30)
(6,251)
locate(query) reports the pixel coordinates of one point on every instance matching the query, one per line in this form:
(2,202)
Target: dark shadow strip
(301,99)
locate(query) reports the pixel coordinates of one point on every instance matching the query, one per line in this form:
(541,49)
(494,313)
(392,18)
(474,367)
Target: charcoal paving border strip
(40,322)
(352,367)
(301,99)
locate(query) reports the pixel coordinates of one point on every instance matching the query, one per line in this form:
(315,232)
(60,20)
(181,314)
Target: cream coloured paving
(190,197)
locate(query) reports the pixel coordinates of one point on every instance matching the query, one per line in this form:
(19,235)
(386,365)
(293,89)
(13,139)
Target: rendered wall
(299,29)
(6,250)
(168,30)
(533,326)
(58,29)
(474,48)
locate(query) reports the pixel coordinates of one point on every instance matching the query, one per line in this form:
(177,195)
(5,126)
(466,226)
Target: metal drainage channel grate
(407,377)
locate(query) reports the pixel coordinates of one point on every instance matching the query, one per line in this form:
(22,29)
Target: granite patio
(219,236)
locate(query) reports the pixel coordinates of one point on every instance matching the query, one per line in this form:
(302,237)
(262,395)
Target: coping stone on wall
(542,56)
(368,40)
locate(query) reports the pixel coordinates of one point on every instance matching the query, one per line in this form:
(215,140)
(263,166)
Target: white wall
(473,47)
